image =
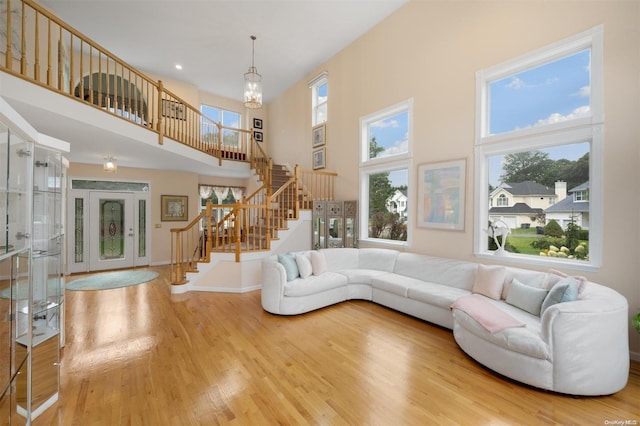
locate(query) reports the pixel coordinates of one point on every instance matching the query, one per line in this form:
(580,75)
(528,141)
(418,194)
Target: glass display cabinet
(31,289)
(15,227)
(334,224)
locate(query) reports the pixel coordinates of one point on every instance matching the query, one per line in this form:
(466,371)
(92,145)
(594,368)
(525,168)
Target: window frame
(386,164)
(220,118)
(317,82)
(584,129)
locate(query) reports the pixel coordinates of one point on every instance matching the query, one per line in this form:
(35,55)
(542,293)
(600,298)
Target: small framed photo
(441,194)
(174,208)
(319,158)
(257,123)
(318,135)
(257,136)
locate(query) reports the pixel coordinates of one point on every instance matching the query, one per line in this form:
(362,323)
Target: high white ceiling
(210,38)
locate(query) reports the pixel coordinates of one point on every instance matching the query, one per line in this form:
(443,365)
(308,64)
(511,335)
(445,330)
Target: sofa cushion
(314,284)
(565,290)
(342,258)
(318,263)
(380,259)
(290,266)
(526,297)
(435,294)
(489,281)
(361,276)
(553,277)
(395,284)
(454,273)
(525,340)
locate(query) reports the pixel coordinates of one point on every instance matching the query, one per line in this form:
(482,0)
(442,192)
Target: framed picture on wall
(319,158)
(174,208)
(257,136)
(441,193)
(318,135)
(257,123)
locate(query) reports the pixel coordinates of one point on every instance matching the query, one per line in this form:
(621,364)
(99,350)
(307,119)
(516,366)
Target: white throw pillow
(489,281)
(304,265)
(318,262)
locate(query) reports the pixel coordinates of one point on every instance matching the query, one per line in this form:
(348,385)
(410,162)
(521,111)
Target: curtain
(237,193)
(221,192)
(206,191)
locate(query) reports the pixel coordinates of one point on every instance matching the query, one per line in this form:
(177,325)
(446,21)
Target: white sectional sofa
(577,347)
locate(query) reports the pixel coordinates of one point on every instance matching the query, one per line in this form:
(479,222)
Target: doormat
(109,280)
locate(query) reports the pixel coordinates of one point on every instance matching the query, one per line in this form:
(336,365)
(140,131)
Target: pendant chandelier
(252,83)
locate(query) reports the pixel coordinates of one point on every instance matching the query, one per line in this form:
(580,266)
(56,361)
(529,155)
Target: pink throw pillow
(318,262)
(489,281)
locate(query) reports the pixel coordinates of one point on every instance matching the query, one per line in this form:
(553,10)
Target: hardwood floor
(140,356)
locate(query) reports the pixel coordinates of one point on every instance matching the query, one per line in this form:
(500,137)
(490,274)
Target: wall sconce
(110,165)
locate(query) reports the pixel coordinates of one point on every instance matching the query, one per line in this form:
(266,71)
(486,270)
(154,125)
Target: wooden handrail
(54,55)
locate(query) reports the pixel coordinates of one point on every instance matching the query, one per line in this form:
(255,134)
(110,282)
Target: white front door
(111,229)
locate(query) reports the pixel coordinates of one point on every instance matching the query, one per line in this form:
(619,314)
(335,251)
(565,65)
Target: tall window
(319,95)
(539,145)
(384,174)
(226,118)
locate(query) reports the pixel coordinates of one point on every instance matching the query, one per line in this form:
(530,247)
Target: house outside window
(319,95)
(539,132)
(226,118)
(384,174)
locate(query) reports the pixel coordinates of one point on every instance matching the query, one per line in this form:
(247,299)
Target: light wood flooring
(140,356)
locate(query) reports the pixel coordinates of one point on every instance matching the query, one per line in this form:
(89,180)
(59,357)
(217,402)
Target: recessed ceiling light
(178,66)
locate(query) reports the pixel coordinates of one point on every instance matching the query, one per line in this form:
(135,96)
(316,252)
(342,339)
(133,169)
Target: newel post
(160,122)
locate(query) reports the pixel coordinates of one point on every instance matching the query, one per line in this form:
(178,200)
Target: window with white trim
(227,118)
(384,174)
(319,95)
(539,135)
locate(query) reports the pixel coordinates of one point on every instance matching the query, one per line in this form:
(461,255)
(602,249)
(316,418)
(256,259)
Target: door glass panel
(142,227)
(111,229)
(79,230)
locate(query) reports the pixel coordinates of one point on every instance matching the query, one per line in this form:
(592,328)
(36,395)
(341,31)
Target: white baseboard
(183,288)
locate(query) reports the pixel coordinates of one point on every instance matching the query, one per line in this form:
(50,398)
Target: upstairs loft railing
(39,47)
(248,226)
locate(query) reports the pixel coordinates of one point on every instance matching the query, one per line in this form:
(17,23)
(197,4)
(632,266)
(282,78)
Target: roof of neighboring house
(568,205)
(528,187)
(517,208)
(581,187)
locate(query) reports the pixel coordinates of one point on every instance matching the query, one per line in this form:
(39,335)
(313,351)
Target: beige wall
(430,51)
(161,183)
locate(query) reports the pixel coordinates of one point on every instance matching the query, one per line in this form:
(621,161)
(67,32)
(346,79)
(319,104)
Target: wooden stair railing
(44,50)
(190,245)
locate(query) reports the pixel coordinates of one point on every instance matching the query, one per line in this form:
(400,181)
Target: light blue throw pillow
(565,290)
(526,297)
(290,266)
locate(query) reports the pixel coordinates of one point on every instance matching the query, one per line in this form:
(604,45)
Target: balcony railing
(41,48)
